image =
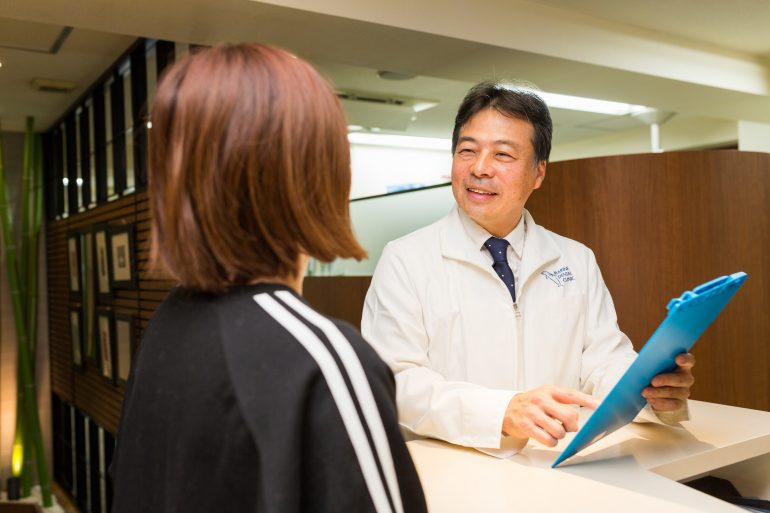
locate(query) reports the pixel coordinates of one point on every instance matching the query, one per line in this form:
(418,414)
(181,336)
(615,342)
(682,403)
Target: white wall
(753,136)
(679,133)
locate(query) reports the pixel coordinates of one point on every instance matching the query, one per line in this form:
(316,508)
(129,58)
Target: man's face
(493,170)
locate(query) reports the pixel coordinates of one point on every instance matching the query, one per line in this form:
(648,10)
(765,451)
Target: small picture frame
(73,258)
(124,341)
(76,333)
(106,336)
(121,251)
(103,262)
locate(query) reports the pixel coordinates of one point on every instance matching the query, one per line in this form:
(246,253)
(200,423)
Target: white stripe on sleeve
(360,387)
(340,394)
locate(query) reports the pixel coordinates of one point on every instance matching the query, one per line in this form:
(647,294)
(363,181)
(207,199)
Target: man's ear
(540,170)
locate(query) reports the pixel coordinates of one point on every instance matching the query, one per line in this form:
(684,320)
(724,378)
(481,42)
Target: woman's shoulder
(278,324)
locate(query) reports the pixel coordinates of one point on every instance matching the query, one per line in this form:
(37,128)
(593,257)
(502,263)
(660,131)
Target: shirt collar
(479,235)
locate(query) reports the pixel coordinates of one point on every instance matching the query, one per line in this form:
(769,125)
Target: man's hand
(543,413)
(669,392)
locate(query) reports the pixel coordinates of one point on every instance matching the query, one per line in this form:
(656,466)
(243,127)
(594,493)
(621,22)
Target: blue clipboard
(688,317)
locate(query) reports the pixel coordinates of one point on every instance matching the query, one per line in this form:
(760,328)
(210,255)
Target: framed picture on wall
(102,262)
(76,334)
(106,336)
(121,253)
(73,258)
(124,342)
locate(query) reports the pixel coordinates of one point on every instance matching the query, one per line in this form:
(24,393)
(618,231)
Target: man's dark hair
(516,103)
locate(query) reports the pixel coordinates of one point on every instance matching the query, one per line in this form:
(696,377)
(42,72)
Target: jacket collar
(540,248)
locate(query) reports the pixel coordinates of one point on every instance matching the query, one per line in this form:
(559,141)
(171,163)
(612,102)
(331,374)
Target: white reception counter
(638,468)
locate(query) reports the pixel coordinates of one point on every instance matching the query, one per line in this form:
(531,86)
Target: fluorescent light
(400,141)
(564,101)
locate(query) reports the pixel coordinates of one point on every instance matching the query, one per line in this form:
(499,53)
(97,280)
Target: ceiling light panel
(564,101)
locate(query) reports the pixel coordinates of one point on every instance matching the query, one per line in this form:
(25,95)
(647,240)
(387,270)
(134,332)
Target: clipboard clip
(734,279)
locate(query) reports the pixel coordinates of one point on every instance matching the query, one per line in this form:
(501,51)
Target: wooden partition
(663,223)
(341,297)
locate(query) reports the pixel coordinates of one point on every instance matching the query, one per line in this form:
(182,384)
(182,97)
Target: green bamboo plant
(22,281)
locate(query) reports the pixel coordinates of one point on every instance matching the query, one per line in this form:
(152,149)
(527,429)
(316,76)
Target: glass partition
(379,219)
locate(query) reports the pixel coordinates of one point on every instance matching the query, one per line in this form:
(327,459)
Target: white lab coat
(438,314)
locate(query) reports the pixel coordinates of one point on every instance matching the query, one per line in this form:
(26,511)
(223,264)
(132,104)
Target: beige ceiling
(670,55)
(26,53)
(740,25)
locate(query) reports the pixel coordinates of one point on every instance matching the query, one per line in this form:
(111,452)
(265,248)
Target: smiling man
(493,325)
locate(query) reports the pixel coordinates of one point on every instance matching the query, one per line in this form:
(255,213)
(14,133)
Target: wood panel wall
(663,223)
(87,389)
(341,297)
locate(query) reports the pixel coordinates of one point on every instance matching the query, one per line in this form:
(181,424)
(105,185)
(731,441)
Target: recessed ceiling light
(1,64)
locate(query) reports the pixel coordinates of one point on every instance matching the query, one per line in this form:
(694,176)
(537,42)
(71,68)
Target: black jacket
(234,404)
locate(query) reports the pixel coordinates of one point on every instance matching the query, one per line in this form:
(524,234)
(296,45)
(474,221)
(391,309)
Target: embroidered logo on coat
(560,276)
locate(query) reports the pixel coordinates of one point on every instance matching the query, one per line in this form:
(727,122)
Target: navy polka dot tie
(498,248)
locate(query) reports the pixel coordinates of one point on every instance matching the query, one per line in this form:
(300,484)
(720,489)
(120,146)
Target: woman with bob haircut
(242,398)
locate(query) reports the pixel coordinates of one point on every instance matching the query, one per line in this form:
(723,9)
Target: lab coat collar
(539,246)
(540,249)
(479,235)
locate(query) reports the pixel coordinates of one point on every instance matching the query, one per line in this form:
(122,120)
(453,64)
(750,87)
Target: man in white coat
(492,324)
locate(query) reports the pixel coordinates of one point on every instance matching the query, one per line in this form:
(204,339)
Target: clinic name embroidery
(559,276)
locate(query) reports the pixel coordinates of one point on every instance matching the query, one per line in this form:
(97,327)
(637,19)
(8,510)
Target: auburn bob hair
(249,168)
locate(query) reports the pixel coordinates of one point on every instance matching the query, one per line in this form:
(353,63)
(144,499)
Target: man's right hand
(544,413)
